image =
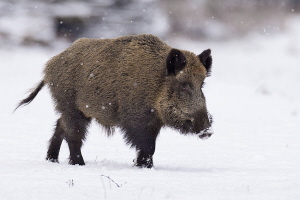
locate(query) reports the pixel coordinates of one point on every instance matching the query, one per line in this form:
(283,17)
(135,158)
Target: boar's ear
(206,60)
(175,62)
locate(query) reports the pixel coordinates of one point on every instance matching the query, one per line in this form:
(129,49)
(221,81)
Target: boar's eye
(186,87)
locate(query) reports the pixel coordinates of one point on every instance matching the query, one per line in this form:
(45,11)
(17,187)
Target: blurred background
(48,22)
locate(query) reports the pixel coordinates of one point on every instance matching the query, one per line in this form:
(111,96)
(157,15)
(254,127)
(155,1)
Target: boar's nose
(207,131)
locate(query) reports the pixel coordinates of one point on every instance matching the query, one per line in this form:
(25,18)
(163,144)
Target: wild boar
(136,83)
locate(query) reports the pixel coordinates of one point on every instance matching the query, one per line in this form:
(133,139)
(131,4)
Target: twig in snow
(103,188)
(111,180)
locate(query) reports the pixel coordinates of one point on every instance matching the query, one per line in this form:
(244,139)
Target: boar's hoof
(143,162)
(54,160)
(78,161)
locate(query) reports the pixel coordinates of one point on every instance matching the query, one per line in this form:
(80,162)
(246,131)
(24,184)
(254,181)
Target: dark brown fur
(137,83)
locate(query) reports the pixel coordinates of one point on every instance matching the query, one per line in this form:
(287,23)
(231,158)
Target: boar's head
(181,102)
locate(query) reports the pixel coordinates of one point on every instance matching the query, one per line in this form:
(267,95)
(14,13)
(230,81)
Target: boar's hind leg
(55,143)
(75,126)
(73,131)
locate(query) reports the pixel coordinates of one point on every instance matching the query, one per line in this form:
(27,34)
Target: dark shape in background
(44,22)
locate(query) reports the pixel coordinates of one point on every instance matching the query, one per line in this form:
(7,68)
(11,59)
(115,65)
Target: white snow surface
(253,94)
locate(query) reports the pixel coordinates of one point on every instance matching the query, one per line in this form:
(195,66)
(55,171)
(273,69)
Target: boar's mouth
(199,125)
(188,127)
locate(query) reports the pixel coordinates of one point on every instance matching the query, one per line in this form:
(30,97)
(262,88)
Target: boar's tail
(32,95)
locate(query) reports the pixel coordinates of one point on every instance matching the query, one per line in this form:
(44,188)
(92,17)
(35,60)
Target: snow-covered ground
(253,94)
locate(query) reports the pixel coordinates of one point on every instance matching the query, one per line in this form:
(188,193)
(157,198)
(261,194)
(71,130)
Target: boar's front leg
(145,156)
(143,138)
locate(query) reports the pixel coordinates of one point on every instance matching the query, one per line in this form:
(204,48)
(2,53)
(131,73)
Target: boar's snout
(204,131)
(205,134)
(198,123)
